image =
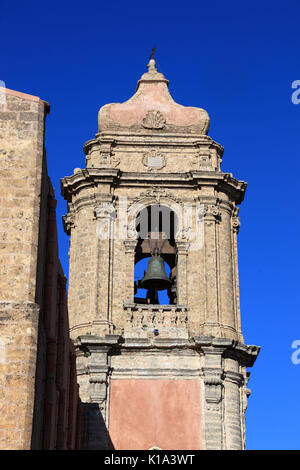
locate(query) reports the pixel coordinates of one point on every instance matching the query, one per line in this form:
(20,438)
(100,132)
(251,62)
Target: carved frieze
(157,194)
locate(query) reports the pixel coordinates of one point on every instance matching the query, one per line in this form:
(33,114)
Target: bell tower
(153,282)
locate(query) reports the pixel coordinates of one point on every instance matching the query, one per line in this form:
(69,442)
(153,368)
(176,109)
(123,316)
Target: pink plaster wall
(154,412)
(153,96)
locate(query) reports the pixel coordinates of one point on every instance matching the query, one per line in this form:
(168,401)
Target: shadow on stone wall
(95,435)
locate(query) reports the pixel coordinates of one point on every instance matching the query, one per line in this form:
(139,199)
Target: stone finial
(151,66)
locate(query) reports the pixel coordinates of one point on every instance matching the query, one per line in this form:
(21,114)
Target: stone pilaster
(105,216)
(223,372)
(94,370)
(212,217)
(182,253)
(129,246)
(235,230)
(225,272)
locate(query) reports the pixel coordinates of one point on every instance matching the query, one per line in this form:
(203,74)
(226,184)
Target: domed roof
(152,108)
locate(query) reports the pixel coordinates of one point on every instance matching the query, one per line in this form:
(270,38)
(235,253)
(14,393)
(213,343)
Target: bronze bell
(155,277)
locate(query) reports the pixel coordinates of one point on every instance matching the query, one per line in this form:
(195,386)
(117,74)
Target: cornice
(155,138)
(224,182)
(245,354)
(87,177)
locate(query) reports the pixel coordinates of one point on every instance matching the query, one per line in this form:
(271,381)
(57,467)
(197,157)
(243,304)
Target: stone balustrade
(144,320)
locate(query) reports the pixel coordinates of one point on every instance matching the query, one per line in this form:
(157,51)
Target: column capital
(183,247)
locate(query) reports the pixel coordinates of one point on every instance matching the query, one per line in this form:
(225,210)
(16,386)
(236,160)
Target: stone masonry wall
(151,151)
(28,248)
(21,160)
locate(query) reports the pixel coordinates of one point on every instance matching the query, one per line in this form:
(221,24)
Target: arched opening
(156,256)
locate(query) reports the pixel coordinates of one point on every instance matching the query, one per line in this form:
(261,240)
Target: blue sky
(238,61)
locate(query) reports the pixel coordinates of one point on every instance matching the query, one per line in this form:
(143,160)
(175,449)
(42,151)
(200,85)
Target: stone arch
(136,207)
(156,226)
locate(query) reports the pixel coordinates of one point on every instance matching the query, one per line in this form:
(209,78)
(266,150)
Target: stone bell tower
(164,366)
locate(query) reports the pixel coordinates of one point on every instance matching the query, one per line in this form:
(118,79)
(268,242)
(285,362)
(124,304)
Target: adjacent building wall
(38,391)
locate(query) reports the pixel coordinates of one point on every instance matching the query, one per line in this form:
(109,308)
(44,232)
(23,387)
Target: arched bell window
(156,256)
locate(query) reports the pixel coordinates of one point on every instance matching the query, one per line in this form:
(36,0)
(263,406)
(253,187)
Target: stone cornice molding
(154,373)
(94,342)
(245,354)
(93,200)
(226,347)
(167,139)
(87,177)
(104,143)
(223,182)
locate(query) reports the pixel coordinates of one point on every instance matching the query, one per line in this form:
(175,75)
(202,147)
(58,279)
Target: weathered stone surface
(196,336)
(38,385)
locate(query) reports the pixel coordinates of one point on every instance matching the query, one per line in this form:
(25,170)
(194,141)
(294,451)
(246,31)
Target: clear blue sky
(238,61)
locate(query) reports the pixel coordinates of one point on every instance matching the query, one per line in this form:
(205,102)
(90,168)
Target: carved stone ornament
(115,161)
(156,193)
(105,210)
(154,120)
(131,231)
(213,389)
(211,211)
(236,224)
(200,161)
(68,222)
(154,160)
(185,233)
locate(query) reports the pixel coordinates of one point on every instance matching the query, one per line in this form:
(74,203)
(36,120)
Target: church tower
(153,282)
